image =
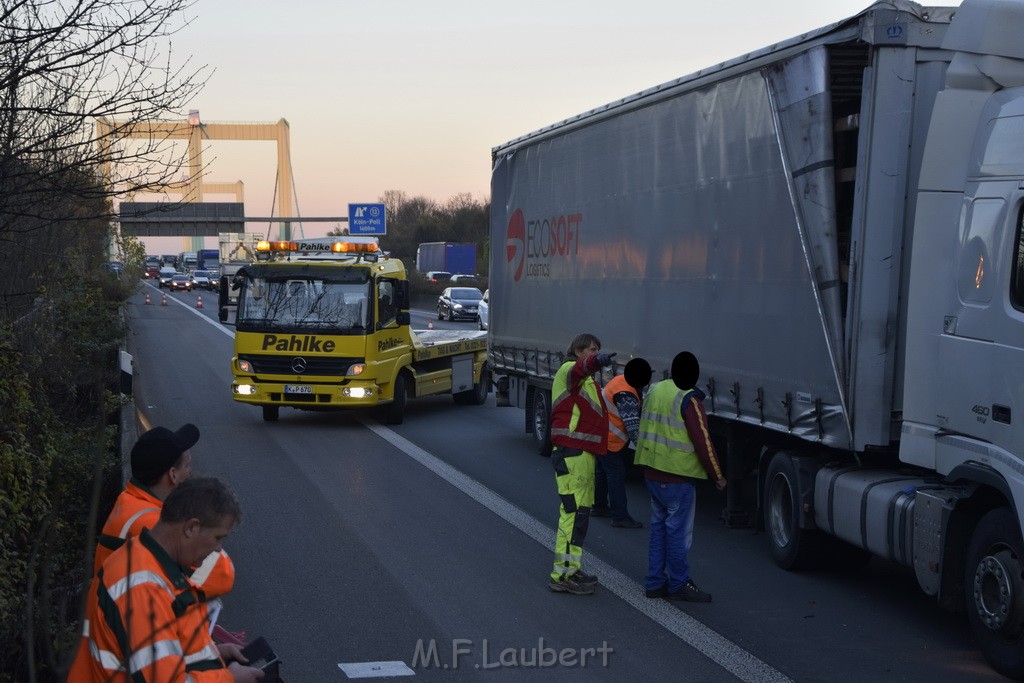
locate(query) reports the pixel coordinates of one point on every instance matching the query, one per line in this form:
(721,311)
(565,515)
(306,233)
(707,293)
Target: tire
(394,412)
(540,422)
(994,585)
(271,413)
(476,396)
(440,313)
(791,546)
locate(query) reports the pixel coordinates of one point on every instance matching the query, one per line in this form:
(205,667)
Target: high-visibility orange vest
(135,509)
(145,621)
(617,436)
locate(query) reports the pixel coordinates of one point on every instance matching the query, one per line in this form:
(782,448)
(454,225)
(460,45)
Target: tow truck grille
(315,365)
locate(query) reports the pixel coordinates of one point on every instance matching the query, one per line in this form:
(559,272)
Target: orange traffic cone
(164,301)
(430,324)
(148,302)
(199,301)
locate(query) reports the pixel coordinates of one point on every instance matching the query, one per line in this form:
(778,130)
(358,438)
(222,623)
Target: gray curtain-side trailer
(824,223)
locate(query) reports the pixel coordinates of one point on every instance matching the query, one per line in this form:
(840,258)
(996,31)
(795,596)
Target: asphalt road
(425,547)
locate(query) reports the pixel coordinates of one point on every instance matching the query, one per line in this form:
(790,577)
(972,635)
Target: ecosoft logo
(532,244)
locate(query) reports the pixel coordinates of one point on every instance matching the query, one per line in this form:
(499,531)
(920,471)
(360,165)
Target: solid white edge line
(217,324)
(712,645)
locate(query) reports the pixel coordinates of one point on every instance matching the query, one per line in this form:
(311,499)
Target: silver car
(483,311)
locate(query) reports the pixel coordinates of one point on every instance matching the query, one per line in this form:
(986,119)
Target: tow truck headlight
(244,366)
(356,369)
(245,389)
(357,392)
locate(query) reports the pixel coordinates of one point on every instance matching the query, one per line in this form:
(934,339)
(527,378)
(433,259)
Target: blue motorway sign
(366,219)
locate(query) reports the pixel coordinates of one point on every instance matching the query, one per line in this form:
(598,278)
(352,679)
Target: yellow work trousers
(574,474)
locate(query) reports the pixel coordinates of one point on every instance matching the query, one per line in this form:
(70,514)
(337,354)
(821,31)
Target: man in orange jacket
(145,619)
(160,460)
(622,396)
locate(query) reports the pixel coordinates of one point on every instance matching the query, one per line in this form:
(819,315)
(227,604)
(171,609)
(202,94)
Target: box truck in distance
(452,257)
(833,225)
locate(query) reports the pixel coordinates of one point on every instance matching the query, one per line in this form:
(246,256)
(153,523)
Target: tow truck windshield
(297,304)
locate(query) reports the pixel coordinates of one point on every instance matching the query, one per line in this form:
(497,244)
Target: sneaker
(627,523)
(659,592)
(690,593)
(600,512)
(571,584)
(585,578)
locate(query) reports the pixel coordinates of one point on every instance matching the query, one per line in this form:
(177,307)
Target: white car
(200,280)
(483,310)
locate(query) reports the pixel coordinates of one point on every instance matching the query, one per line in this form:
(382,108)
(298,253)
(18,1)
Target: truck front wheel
(395,411)
(994,579)
(540,420)
(792,546)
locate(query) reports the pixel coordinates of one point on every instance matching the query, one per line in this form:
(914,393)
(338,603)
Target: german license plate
(298,389)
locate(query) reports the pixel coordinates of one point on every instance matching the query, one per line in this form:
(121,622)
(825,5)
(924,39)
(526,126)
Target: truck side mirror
(403,318)
(402,296)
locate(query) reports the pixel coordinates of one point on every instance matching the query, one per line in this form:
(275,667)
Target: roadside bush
(58,465)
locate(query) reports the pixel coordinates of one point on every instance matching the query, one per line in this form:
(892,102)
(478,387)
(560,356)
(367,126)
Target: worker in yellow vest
(579,430)
(674,446)
(622,395)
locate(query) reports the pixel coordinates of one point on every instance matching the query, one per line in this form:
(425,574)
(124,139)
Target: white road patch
(712,645)
(376,669)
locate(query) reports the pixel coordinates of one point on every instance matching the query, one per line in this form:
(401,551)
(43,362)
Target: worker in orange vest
(161,459)
(622,395)
(144,618)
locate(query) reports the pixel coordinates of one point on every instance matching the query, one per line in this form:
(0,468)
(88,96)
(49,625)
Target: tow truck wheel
(792,547)
(395,411)
(540,420)
(994,578)
(271,413)
(476,396)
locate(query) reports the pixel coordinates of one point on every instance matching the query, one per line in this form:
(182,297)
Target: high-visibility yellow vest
(663,442)
(578,420)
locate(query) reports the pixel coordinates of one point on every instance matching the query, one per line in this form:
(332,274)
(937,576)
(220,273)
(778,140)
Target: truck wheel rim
(997,584)
(780,510)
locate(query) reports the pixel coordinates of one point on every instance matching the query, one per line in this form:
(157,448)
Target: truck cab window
(1017,277)
(387,308)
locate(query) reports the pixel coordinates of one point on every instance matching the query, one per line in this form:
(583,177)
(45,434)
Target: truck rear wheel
(540,421)
(994,578)
(271,413)
(476,396)
(792,547)
(395,411)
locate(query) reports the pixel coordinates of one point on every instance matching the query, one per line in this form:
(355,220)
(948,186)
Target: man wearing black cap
(161,459)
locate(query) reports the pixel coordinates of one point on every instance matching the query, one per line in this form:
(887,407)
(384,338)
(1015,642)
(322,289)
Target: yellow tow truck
(323,324)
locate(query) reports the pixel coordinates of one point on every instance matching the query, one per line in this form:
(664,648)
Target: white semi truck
(833,225)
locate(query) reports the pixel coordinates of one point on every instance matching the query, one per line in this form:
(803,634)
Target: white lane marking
(190,309)
(376,669)
(715,647)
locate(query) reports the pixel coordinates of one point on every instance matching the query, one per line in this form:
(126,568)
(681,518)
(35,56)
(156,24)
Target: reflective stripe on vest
(560,394)
(663,442)
(123,534)
(617,436)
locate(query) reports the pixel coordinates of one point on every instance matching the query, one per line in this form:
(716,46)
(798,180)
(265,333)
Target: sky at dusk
(412,96)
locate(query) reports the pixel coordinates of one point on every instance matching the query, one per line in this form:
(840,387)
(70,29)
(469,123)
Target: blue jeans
(672,510)
(610,484)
